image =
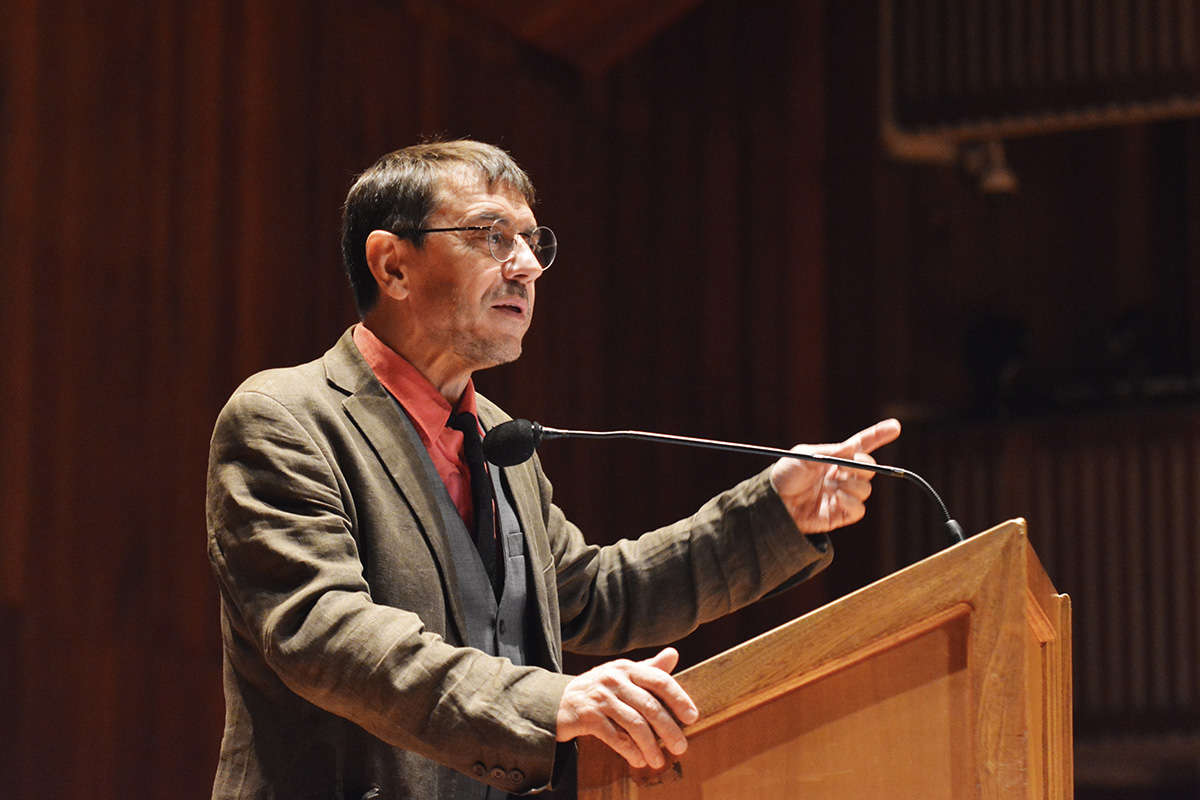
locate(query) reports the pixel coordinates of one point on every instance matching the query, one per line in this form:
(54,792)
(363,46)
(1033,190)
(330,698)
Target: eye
(505,228)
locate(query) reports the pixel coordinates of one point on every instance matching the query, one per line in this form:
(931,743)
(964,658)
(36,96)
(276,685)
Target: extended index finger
(870,439)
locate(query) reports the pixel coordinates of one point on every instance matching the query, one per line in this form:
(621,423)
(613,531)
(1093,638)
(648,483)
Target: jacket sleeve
(300,611)
(659,587)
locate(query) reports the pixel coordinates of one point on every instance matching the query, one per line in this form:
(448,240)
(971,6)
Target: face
(468,310)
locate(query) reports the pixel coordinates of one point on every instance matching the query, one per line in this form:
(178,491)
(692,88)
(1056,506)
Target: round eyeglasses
(502,240)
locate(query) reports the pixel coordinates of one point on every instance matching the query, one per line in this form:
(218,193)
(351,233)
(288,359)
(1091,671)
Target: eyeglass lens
(502,242)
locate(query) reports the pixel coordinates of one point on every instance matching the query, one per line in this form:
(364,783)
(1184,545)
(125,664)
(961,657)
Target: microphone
(513,442)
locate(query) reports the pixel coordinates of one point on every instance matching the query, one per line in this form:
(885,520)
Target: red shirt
(429,412)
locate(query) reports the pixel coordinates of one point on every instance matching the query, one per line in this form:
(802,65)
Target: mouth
(513,306)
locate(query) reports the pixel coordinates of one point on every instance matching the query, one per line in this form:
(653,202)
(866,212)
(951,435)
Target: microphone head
(511,443)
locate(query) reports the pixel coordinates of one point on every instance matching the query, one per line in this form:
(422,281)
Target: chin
(510,355)
(494,353)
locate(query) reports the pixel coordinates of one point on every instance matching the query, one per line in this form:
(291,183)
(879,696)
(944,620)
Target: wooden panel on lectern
(950,679)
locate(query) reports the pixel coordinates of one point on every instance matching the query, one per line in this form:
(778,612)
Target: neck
(441,369)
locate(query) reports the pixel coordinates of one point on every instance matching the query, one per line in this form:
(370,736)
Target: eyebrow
(492,216)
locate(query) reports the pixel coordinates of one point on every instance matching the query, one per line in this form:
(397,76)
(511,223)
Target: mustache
(510,289)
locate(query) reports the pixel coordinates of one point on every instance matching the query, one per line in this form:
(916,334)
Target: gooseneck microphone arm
(513,442)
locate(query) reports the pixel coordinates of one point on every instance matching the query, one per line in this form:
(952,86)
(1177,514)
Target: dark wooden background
(738,261)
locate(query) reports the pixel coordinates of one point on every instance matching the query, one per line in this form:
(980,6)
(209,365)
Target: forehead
(463,193)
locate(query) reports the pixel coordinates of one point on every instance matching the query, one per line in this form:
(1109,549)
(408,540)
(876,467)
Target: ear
(388,256)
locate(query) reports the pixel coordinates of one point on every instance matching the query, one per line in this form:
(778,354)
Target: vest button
(503,627)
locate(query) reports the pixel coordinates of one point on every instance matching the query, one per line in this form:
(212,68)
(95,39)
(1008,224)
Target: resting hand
(821,497)
(630,706)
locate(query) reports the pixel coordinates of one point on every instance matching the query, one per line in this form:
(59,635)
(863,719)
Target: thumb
(666,659)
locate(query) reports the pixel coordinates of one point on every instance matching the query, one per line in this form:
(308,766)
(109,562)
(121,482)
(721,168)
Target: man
(394,613)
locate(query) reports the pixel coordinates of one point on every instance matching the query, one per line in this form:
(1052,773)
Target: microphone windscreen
(511,443)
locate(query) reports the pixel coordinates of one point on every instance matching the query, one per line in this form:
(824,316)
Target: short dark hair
(400,191)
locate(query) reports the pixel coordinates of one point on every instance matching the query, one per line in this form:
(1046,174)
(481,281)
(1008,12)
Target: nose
(523,266)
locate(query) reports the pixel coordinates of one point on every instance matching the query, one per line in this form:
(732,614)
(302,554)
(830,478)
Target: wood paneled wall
(1091,270)
(1093,265)
(170,181)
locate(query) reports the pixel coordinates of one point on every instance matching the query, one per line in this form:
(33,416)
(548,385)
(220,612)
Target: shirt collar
(424,404)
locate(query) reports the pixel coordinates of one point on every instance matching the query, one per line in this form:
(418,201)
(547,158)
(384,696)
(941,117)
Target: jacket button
(479,770)
(517,777)
(498,774)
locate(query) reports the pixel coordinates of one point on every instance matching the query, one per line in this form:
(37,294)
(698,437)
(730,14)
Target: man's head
(403,189)
(443,250)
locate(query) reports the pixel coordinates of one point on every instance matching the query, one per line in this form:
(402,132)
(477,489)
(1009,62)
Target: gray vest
(497,628)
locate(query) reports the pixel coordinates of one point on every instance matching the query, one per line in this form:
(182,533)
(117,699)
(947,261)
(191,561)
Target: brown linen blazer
(346,675)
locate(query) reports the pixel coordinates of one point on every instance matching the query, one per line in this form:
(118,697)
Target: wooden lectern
(948,679)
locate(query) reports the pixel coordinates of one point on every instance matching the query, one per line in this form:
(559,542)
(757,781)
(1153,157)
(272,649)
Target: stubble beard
(481,349)
(499,349)
(490,352)
(484,351)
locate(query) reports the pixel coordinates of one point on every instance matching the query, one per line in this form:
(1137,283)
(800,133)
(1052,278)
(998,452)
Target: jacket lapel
(390,434)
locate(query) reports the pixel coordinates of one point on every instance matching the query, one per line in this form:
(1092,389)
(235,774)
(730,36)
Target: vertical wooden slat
(19,87)
(1155,521)
(1109,52)
(1186,33)
(1190,610)
(802,222)
(1178,666)
(976,45)
(1093,513)
(1058,42)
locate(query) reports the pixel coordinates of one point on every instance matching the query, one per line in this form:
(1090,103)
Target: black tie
(481,494)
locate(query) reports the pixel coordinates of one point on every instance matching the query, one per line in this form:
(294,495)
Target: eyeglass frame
(526,236)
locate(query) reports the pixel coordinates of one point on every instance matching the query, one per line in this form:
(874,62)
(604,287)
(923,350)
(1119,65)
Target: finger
(871,439)
(658,681)
(842,509)
(616,716)
(860,444)
(641,717)
(865,458)
(621,742)
(666,659)
(668,731)
(854,485)
(840,474)
(660,721)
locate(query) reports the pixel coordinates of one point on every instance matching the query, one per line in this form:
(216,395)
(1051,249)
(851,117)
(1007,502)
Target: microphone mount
(514,442)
